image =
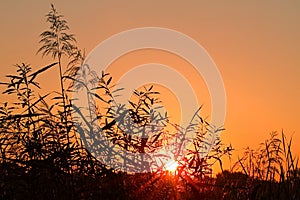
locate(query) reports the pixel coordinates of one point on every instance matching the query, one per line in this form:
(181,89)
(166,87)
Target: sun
(171,165)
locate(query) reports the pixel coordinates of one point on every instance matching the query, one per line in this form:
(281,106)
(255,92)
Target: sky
(255,45)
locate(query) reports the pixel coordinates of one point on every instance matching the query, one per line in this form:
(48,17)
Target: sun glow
(171,165)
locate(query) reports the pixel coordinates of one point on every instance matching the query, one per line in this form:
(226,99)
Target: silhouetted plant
(272,169)
(57,42)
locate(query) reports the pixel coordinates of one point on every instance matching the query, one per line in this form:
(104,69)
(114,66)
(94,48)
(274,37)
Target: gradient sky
(255,44)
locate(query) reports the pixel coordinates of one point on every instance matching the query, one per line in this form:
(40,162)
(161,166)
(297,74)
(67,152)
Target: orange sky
(255,45)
